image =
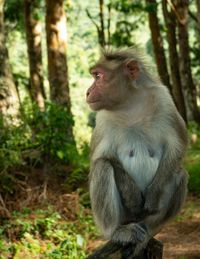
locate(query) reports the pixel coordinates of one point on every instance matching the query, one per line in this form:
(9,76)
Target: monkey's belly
(140,163)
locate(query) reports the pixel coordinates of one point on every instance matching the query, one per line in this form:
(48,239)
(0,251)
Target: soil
(181,238)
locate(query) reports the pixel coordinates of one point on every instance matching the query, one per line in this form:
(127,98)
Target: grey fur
(136,178)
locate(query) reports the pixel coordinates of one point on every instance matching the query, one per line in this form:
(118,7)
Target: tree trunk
(100,28)
(181,11)
(101,16)
(9,101)
(158,44)
(33,36)
(108,27)
(198,13)
(174,60)
(154,250)
(56,46)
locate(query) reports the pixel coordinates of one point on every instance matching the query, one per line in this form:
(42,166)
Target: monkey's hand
(131,233)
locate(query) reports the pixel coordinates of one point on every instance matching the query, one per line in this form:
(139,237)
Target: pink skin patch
(97,73)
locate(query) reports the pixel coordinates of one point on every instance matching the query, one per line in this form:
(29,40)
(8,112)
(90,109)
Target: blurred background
(46,50)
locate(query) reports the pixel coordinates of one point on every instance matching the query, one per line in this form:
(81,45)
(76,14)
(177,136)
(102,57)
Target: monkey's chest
(140,160)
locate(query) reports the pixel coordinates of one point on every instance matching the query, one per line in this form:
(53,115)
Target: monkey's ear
(132,69)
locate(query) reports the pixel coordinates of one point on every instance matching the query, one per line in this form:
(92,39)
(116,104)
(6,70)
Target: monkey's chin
(95,106)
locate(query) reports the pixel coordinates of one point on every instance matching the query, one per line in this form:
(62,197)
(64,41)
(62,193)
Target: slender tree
(181,12)
(100,27)
(108,27)
(158,43)
(56,46)
(177,92)
(9,101)
(101,16)
(33,35)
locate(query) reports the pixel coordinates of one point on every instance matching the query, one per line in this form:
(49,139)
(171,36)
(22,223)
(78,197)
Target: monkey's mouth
(92,102)
(95,106)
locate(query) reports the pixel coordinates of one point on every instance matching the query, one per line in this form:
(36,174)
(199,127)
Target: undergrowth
(46,234)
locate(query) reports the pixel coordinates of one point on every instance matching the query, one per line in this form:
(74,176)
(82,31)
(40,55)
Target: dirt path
(181,238)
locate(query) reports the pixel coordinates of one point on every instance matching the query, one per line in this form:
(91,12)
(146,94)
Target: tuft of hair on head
(125,55)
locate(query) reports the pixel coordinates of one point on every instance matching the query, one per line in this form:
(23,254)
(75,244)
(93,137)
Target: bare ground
(181,237)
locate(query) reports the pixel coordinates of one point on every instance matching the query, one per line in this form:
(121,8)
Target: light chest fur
(137,152)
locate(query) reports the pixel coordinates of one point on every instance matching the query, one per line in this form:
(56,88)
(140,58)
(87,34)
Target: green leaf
(60,154)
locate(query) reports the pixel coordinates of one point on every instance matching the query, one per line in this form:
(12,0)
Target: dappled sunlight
(62,30)
(46,51)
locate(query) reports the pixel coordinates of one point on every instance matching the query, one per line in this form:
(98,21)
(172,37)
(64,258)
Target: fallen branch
(110,250)
(3,207)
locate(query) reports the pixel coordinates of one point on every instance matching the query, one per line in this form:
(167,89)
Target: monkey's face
(96,94)
(111,86)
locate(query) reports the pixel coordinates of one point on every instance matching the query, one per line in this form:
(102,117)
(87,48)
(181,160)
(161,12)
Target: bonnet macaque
(137,182)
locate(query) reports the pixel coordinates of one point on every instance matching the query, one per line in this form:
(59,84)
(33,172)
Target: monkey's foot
(130,233)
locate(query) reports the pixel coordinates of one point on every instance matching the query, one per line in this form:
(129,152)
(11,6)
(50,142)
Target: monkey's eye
(97,75)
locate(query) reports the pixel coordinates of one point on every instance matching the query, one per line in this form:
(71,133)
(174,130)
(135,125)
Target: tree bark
(33,36)
(158,44)
(9,101)
(181,12)
(154,250)
(101,16)
(108,27)
(100,28)
(177,92)
(56,45)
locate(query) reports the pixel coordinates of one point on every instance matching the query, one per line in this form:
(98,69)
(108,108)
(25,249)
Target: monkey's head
(116,76)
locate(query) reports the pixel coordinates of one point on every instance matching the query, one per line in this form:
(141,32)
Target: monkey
(136,180)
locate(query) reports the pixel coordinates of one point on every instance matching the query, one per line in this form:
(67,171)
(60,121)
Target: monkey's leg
(105,198)
(170,203)
(178,198)
(131,196)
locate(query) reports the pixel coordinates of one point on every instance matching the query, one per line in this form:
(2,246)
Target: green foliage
(130,18)
(51,131)
(193,158)
(195,62)
(122,35)
(193,167)
(194,128)
(43,233)
(41,137)
(127,6)
(11,146)
(70,247)
(14,12)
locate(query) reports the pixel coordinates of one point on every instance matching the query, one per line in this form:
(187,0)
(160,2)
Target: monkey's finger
(139,232)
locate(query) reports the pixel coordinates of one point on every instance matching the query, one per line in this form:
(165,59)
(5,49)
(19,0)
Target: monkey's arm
(115,197)
(105,198)
(171,200)
(130,194)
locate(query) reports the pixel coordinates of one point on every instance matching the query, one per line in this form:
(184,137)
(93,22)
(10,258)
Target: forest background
(46,49)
